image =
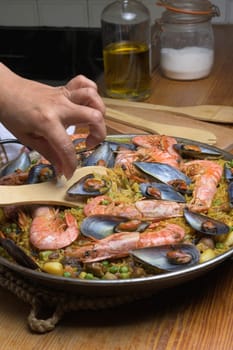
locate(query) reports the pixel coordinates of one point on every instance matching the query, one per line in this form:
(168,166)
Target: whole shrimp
(151,148)
(157,148)
(105,205)
(49,231)
(118,245)
(151,209)
(125,158)
(206,174)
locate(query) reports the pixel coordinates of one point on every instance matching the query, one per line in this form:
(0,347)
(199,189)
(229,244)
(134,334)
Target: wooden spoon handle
(211,113)
(49,193)
(200,135)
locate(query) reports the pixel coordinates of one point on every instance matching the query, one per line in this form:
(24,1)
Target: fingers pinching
(80,81)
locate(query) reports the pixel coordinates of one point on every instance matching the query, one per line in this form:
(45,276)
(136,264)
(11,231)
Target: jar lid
(197,7)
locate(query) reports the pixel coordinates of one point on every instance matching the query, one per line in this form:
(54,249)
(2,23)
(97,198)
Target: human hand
(38,115)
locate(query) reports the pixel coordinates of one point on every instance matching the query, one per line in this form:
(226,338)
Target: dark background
(52,55)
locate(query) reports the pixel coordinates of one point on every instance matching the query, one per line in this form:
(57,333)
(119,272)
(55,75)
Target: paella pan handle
(49,306)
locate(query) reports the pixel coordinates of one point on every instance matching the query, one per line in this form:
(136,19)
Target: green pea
(113,269)
(124,269)
(67,274)
(82,275)
(89,276)
(7,230)
(45,254)
(219,245)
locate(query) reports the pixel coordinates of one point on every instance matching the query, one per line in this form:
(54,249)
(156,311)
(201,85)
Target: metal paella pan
(128,286)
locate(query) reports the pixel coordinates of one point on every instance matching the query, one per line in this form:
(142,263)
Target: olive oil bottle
(126,50)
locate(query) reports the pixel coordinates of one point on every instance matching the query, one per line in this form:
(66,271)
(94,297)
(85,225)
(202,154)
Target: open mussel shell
(162,191)
(165,173)
(101,226)
(17,253)
(41,173)
(197,151)
(228,172)
(22,162)
(230,193)
(205,224)
(102,155)
(88,185)
(7,141)
(115,145)
(168,257)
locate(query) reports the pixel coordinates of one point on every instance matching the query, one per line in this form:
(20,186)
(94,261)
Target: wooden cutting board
(224,134)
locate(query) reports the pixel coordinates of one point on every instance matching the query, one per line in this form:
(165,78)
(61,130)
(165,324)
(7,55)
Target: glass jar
(126,49)
(187,39)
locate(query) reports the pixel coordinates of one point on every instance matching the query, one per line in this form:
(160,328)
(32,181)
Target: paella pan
(160,216)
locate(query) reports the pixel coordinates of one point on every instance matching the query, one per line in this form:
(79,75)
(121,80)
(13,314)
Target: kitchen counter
(194,315)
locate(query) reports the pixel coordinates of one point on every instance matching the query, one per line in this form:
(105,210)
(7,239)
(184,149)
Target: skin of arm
(39,114)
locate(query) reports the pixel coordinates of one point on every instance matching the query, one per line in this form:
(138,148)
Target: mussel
(168,257)
(88,185)
(165,173)
(80,144)
(162,191)
(22,162)
(102,155)
(115,145)
(197,151)
(228,173)
(205,224)
(17,253)
(101,226)
(230,193)
(7,141)
(41,173)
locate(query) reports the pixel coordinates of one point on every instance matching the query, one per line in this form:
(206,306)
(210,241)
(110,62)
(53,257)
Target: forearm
(10,90)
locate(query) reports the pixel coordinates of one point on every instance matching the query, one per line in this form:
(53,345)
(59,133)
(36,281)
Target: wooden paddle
(201,135)
(50,193)
(208,113)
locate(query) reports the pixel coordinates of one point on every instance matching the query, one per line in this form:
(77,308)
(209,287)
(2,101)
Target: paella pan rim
(137,286)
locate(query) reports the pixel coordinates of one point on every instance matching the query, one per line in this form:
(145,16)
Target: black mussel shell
(102,155)
(115,145)
(22,162)
(7,141)
(101,226)
(230,193)
(88,185)
(228,172)
(205,224)
(41,173)
(197,151)
(162,191)
(171,257)
(17,253)
(165,173)
(80,145)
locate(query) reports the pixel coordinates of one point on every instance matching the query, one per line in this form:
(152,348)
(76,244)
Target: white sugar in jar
(186,39)
(187,63)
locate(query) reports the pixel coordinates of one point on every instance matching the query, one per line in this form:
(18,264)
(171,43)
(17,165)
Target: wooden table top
(195,315)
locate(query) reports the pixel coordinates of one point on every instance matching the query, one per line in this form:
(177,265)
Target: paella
(163,205)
